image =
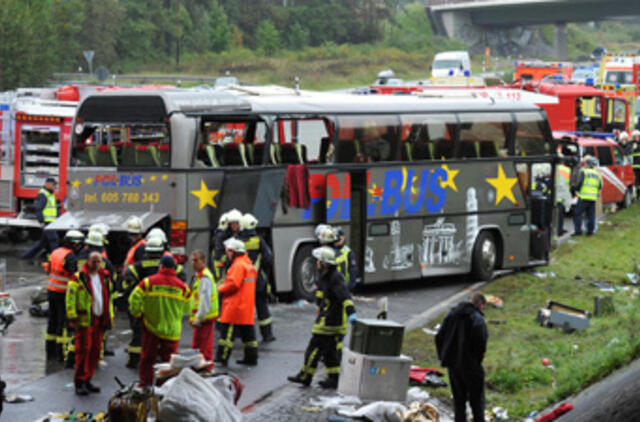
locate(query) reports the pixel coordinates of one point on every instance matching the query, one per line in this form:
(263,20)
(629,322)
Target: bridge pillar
(560,41)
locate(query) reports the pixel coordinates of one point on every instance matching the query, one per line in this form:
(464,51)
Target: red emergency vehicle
(537,70)
(618,180)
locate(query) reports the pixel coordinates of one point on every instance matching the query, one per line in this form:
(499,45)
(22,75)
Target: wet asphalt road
(22,363)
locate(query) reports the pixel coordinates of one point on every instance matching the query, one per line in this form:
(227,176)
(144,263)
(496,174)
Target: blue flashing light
(557,77)
(450,72)
(617,86)
(559,64)
(467,73)
(515,63)
(589,82)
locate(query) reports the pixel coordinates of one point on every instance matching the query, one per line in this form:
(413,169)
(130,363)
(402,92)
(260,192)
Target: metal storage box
(376,337)
(374,377)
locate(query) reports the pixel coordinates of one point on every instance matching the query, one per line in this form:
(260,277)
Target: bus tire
(303,272)
(485,256)
(628,199)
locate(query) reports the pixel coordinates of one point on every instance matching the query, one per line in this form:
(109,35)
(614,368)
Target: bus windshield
(122,144)
(619,77)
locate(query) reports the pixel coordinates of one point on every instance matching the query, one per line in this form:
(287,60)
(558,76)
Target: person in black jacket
(461,342)
(336,309)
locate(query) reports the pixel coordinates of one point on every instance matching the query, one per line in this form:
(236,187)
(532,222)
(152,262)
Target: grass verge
(515,376)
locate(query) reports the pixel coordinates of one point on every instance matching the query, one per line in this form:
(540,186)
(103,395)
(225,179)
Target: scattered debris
(335,402)
(633,278)
(364,299)
(311,409)
(603,286)
(547,364)
(421,412)
(73,417)
(426,377)
(18,398)
(429,331)
(540,274)
(497,414)
(613,341)
(383,307)
(564,316)
(495,301)
(379,411)
(417,394)
(556,413)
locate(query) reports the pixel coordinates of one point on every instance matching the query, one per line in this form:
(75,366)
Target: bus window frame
(546,133)
(509,141)
(330,118)
(395,151)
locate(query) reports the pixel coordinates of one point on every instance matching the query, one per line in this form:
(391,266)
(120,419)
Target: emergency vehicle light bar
(21,117)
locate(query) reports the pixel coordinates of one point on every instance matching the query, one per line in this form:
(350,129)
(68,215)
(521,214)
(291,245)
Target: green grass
(515,376)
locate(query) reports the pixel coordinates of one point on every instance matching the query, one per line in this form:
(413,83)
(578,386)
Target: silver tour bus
(422,187)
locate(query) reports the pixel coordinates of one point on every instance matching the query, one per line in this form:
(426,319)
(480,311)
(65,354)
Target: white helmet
(94,238)
(157,232)
(327,236)
(636,132)
(320,228)
(325,254)
(134,225)
(74,236)
(223,223)
(624,136)
(248,222)
(101,228)
(235,245)
(234,216)
(154,244)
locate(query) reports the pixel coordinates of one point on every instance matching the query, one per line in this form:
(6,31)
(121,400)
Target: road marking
(419,320)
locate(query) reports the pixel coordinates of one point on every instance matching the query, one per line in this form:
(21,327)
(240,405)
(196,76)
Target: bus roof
(156,106)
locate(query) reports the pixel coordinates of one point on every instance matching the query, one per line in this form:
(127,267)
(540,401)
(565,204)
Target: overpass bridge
(510,26)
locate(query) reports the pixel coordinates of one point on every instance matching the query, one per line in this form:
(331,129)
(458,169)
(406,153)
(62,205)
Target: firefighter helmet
(624,136)
(74,236)
(234,216)
(635,133)
(223,223)
(325,254)
(248,222)
(154,244)
(134,225)
(327,236)
(94,238)
(235,245)
(157,232)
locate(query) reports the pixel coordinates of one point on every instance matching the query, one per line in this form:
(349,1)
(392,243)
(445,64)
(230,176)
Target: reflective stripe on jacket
(130,260)
(58,275)
(161,301)
(335,305)
(239,292)
(79,298)
(213,300)
(50,210)
(590,185)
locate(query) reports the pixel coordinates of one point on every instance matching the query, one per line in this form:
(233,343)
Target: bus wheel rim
(488,254)
(307,273)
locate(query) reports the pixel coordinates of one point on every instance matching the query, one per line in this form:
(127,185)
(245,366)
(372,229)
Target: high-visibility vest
(213,301)
(252,246)
(636,159)
(58,275)
(342,262)
(79,299)
(129,260)
(591,185)
(50,210)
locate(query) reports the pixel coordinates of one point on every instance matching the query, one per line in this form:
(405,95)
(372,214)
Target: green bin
(376,337)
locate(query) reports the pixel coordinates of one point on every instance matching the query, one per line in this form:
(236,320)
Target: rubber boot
(267,333)
(250,357)
(222,356)
(331,382)
(133,361)
(300,378)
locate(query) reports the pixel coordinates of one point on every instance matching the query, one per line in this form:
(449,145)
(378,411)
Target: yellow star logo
(503,185)
(88,181)
(205,195)
(76,184)
(165,177)
(142,180)
(153,178)
(451,178)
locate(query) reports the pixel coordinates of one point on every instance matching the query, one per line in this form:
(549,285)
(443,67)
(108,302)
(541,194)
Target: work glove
(352,318)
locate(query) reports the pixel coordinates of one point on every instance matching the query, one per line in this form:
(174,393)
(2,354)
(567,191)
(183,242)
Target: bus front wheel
(304,270)
(485,256)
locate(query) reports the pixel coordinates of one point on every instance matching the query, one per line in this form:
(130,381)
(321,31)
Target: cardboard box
(370,377)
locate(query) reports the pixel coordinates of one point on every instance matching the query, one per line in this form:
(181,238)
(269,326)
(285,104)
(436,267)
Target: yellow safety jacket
(161,301)
(78,299)
(591,185)
(342,262)
(213,304)
(50,210)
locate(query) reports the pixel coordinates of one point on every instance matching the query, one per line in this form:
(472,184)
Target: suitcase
(132,404)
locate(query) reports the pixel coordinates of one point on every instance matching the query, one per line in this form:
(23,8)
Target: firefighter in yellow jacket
(204,310)
(587,189)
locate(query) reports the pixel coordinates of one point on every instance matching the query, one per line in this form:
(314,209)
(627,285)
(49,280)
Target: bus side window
(484,136)
(428,137)
(301,141)
(530,135)
(366,139)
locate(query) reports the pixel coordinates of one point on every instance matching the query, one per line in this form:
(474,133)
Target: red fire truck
(538,70)
(41,134)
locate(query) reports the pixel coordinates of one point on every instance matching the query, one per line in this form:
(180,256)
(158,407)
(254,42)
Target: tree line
(38,37)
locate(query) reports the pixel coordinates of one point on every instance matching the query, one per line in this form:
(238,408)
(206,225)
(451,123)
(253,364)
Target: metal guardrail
(113,78)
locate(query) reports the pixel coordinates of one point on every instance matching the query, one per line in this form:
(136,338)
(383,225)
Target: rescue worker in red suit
(62,265)
(160,301)
(238,305)
(204,310)
(90,313)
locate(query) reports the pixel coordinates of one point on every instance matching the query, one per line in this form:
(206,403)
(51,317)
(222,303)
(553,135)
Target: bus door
(346,208)
(617,114)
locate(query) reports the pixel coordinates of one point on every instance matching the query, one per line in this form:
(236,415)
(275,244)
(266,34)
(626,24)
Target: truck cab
(451,63)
